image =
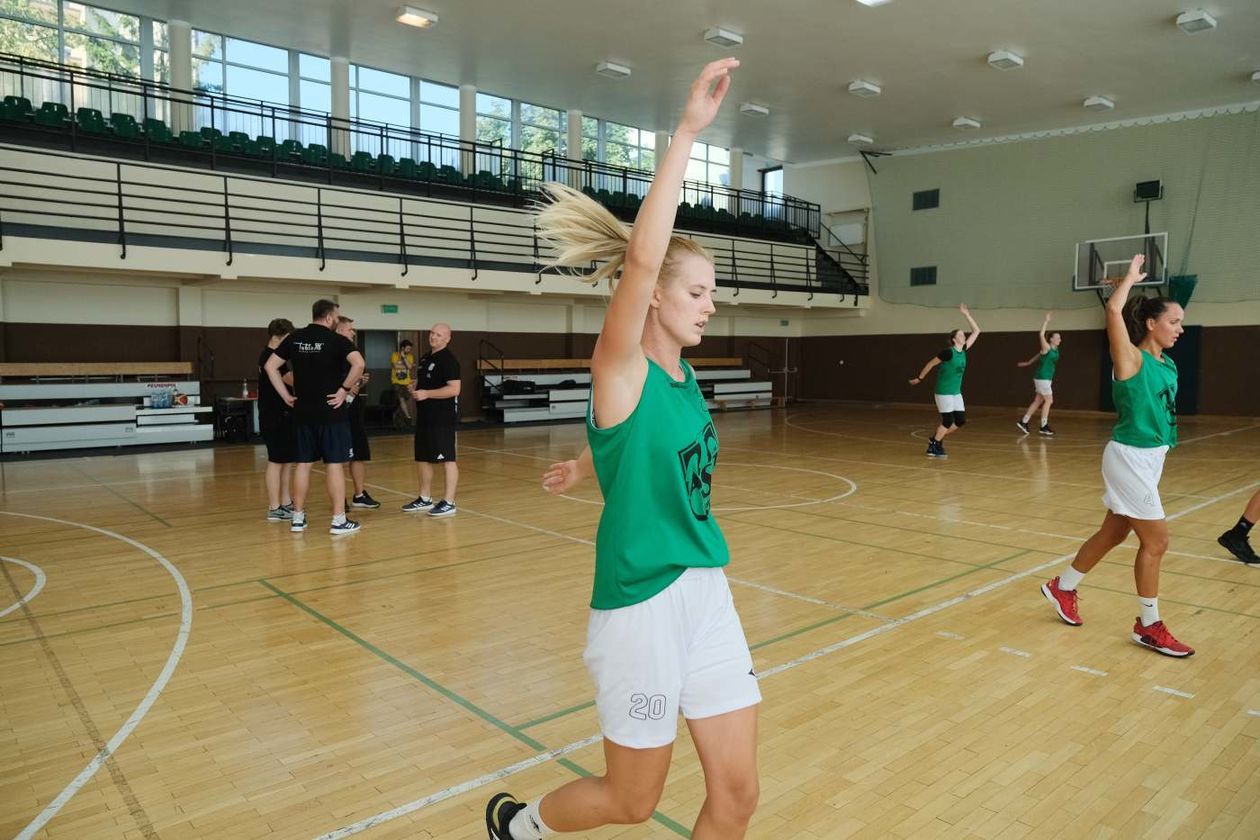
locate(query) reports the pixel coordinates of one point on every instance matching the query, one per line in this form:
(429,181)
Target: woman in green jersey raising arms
(1144,387)
(949,401)
(663,636)
(1043,375)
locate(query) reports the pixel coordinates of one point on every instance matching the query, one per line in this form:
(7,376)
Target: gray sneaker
(280,514)
(442,508)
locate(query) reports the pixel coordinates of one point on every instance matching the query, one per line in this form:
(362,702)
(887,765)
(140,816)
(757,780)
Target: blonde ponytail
(581,231)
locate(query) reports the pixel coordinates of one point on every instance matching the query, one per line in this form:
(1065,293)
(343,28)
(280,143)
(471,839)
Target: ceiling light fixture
(719,37)
(966,123)
(1004,60)
(420,18)
(1255,77)
(861,139)
(874,2)
(612,70)
(1195,20)
(865,89)
(1099,103)
(754,109)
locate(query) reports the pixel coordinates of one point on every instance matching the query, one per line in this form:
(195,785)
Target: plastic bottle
(244,389)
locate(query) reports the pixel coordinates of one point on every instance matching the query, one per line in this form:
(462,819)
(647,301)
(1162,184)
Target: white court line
(1093,671)
(810,600)
(1174,692)
(411,807)
(150,697)
(35,590)
(1254,712)
(947,635)
(1016,652)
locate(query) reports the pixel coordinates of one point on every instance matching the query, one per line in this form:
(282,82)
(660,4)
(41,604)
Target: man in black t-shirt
(275,422)
(437,418)
(358,426)
(325,366)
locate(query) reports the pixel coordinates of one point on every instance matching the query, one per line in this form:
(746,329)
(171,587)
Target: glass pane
(647,139)
(379,81)
(719,155)
(436,94)
(206,45)
(257,55)
(438,120)
(697,170)
(207,75)
(257,84)
(538,140)
(719,175)
(590,127)
(647,160)
(314,67)
(44,11)
(102,22)
(544,117)
(619,154)
(160,37)
(590,148)
(491,130)
(384,109)
(161,67)
(772,182)
(29,40)
(100,54)
(495,106)
(315,96)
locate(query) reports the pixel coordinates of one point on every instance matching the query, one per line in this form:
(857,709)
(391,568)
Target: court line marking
(920,434)
(1016,652)
(1254,712)
(1094,671)
(1174,692)
(35,590)
(386,816)
(146,702)
(944,634)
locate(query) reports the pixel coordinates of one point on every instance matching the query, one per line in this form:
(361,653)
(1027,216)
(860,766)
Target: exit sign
(389,309)
(783,322)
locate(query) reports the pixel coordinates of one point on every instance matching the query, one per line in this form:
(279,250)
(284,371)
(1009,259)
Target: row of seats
(686,211)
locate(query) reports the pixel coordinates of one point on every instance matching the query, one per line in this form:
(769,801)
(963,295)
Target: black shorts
(327,442)
(435,444)
(279,437)
(359,439)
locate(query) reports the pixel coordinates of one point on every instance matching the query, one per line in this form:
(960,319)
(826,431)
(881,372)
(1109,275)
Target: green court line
(134,504)
(1173,601)
(454,697)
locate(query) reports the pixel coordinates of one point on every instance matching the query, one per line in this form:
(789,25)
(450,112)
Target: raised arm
(1034,358)
(1041,336)
(1126,359)
(931,363)
(975,328)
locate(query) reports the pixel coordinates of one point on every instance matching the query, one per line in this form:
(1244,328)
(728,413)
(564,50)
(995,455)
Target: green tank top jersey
(949,375)
(655,469)
(1045,367)
(1147,404)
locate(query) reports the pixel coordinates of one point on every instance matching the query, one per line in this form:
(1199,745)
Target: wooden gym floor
(257,683)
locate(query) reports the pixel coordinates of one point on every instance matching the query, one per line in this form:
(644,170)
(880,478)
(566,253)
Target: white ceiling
(798,57)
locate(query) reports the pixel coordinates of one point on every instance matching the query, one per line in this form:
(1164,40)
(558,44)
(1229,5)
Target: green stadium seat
(90,121)
(338,160)
(263,147)
(157,131)
(53,115)
(385,164)
(210,135)
(362,162)
(315,155)
(289,150)
(124,126)
(192,139)
(426,170)
(17,109)
(407,168)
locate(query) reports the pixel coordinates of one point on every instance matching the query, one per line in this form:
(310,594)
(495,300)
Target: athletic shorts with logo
(1131,480)
(434,444)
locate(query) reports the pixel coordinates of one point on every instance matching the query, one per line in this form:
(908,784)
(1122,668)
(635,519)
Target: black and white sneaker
(940,450)
(298,525)
(500,810)
(1023,425)
(347,527)
(442,508)
(363,500)
(1047,431)
(419,503)
(280,514)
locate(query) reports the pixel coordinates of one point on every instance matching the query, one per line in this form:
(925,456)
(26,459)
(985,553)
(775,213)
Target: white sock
(528,823)
(1045,418)
(1150,610)
(1027,417)
(1070,579)
(339,519)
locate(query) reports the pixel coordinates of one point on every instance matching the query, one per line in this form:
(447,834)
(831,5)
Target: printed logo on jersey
(697,461)
(309,346)
(1168,397)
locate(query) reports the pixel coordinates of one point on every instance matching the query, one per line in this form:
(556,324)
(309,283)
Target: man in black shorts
(437,418)
(325,367)
(275,423)
(358,427)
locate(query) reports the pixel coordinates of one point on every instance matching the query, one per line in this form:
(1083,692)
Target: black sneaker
(363,500)
(931,449)
(1047,431)
(1237,545)
(500,810)
(347,527)
(442,508)
(940,450)
(1023,425)
(280,514)
(420,503)
(298,525)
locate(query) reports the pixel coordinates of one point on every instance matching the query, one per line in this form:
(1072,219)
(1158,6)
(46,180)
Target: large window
(314,83)
(494,120)
(711,164)
(590,138)
(30,28)
(543,129)
(439,109)
(628,146)
(240,68)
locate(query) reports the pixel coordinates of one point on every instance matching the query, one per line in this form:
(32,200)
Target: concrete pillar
(179,34)
(468,128)
(339,70)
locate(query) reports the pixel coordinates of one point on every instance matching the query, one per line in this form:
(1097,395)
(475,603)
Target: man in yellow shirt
(402,364)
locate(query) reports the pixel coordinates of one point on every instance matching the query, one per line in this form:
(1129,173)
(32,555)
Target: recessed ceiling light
(1099,103)
(859,87)
(612,70)
(1195,20)
(861,139)
(966,123)
(720,37)
(754,109)
(1004,60)
(1255,77)
(874,2)
(421,18)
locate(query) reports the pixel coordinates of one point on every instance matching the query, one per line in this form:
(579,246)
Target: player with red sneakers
(1144,387)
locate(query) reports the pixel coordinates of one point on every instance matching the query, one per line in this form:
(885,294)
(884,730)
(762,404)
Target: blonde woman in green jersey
(663,637)
(1144,386)
(1046,361)
(949,401)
